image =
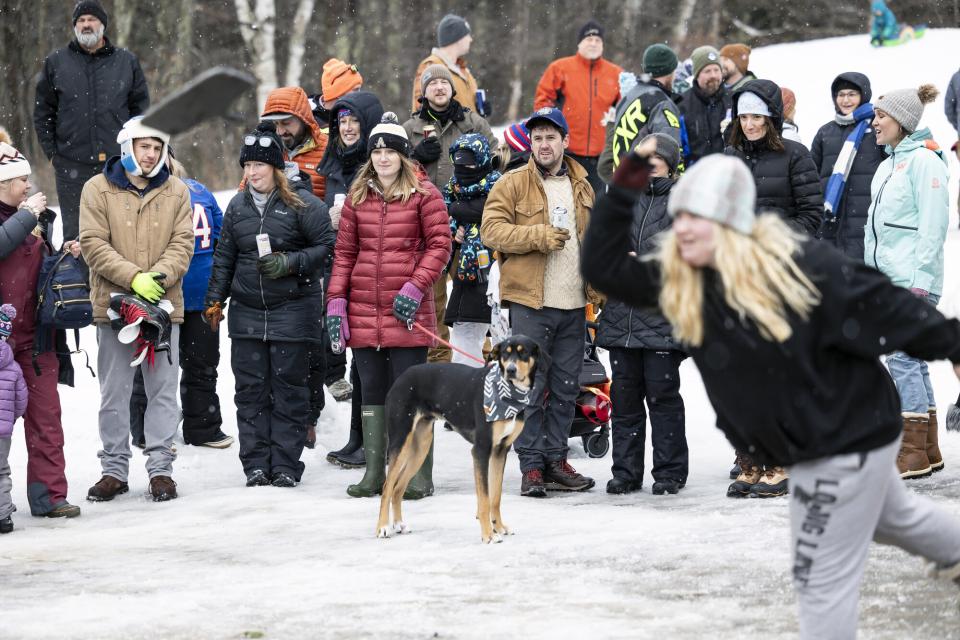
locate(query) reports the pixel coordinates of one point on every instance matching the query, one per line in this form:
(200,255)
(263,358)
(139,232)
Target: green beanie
(659,60)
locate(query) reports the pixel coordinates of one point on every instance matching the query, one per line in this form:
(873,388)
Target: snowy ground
(225,561)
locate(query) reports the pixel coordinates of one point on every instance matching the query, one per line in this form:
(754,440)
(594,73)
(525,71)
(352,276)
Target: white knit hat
(906,105)
(390,135)
(720,188)
(751,103)
(12,163)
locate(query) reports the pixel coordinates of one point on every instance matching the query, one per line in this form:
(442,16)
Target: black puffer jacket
(620,324)
(340,165)
(288,309)
(847,234)
(787,181)
(83,100)
(702,117)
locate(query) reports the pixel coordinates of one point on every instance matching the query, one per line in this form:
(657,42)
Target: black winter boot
(347,456)
(619,486)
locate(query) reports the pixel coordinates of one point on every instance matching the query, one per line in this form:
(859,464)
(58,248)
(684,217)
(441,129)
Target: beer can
(483,259)
(263,244)
(558,217)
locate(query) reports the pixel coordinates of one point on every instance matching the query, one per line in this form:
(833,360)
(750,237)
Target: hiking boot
(341,390)
(669,485)
(283,479)
(257,478)
(560,476)
(219,441)
(106,489)
(374,451)
(311,441)
(349,450)
(532,484)
(63,510)
(772,483)
(618,486)
(735,470)
(749,476)
(163,488)
(933,442)
(6,525)
(912,460)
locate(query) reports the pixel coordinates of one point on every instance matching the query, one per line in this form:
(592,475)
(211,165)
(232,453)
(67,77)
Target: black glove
(428,151)
(274,265)
(467,211)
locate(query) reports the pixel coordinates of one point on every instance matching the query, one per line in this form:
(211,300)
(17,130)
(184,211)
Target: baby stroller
(591,418)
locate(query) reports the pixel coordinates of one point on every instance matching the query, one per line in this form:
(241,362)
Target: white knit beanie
(720,188)
(12,163)
(751,103)
(906,105)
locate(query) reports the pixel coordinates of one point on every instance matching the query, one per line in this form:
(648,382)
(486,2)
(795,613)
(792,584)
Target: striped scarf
(863,115)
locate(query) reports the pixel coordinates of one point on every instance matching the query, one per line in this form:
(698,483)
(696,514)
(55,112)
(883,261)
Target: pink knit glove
(337,327)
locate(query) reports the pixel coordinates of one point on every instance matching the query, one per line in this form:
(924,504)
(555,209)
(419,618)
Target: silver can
(558,217)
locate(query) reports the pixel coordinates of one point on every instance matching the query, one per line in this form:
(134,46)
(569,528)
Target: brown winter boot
(933,442)
(912,461)
(749,475)
(106,489)
(774,482)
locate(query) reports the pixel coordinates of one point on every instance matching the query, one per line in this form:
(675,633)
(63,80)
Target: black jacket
(84,99)
(468,299)
(287,309)
(340,165)
(847,233)
(620,324)
(821,393)
(702,118)
(787,181)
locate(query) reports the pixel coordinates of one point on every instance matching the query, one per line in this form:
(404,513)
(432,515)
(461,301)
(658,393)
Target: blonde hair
(176,168)
(761,281)
(5,136)
(287,194)
(405,184)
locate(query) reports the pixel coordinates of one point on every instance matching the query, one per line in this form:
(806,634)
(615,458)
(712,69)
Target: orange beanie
(338,79)
(739,54)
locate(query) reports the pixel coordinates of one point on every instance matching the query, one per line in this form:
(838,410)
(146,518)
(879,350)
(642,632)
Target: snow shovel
(208,95)
(953,416)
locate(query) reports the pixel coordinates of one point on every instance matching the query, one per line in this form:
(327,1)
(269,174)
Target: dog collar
(502,400)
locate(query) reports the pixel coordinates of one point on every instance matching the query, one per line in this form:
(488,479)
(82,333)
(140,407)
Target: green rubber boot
(373,423)
(421,485)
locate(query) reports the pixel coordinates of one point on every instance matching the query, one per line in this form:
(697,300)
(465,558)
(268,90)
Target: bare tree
(298,42)
(521,42)
(682,28)
(258,27)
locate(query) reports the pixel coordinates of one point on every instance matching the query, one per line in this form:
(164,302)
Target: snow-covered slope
(223,560)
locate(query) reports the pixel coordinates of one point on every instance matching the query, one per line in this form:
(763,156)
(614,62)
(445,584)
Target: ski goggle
(263,141)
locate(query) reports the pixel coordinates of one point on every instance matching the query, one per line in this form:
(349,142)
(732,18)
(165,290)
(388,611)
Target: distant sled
(906,35)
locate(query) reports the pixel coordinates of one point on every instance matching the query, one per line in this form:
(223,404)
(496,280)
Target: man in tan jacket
(453,44)
(137,236)
(535,217)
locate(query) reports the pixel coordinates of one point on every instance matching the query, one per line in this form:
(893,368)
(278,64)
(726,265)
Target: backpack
(63,293)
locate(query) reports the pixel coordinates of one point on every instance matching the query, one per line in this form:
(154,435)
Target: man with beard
(735,60)
(535,217)
(85,92)
(440,120)
(705,106)
(303,140)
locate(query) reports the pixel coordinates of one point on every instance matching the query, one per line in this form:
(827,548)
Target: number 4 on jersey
(201,226)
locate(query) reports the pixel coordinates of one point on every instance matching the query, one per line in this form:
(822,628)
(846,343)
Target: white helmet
(133,129)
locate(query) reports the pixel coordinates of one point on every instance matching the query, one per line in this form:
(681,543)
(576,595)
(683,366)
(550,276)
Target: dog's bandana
(501,400)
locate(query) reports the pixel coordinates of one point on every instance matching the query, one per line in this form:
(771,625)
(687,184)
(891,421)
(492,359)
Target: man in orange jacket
(585,87)
(303,139)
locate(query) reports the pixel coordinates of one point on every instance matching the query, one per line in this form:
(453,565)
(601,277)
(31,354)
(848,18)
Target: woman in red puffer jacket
(392,245)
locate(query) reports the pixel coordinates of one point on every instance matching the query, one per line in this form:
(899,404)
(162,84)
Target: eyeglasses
(848,94)
(264,141)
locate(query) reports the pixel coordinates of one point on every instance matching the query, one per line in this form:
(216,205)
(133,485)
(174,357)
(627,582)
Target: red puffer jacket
(380,247)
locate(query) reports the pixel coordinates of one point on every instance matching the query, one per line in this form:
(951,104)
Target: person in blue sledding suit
(884,25)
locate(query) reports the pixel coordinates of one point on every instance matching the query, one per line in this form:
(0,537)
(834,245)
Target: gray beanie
(667,148)
(720,188)
(435,72)
(451,28)
(906,105)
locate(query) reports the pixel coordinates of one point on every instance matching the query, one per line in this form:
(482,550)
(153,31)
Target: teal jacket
(907,222)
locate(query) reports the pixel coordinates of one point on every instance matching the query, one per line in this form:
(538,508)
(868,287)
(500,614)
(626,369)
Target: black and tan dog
(484,405)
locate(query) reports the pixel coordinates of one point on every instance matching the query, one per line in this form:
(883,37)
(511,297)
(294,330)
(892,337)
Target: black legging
(378,368)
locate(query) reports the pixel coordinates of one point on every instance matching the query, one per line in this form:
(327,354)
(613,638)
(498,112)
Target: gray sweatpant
(6,502)
(838,505)
(162,415)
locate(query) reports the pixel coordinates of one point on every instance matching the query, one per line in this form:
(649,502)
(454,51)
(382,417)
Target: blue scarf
(841,168)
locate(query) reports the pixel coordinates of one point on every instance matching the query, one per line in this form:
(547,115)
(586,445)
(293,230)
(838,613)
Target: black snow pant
(199,359)
(318,368)
(547,424)
(70,177)
(589,163)
(654,375)
(379,368)
(273,401)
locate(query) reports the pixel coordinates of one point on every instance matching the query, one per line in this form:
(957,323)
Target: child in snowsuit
(884,25)
(13,404)
(467,313)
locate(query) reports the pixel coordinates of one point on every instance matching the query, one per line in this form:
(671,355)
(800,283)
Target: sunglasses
(264,141)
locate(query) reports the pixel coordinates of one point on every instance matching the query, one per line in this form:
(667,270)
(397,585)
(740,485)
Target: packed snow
(226,561)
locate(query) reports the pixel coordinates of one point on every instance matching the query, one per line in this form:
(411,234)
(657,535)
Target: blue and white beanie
(7,314)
